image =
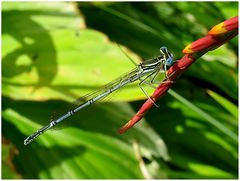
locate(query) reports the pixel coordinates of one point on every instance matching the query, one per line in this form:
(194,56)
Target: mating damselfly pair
(146,70)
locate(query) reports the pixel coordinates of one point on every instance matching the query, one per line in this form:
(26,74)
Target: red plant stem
(193,52)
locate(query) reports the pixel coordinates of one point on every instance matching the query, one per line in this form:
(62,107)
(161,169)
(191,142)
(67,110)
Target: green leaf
(48,62)
(80,144)
(194,140)
(229,106)
(206,116)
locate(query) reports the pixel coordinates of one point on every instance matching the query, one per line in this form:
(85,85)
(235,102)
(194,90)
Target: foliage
(51,54)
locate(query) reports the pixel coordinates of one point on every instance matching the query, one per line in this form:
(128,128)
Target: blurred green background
(53,53)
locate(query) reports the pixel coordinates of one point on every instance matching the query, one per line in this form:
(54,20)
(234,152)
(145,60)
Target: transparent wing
(90,96)
(106,87)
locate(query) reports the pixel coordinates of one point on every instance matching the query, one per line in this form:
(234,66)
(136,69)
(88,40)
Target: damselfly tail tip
(28,140)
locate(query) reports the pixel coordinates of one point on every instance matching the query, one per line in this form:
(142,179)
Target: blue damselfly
(143,71)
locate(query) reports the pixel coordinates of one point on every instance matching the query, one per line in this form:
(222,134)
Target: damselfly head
(168,56)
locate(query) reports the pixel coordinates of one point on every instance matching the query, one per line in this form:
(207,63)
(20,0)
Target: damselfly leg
(147,83)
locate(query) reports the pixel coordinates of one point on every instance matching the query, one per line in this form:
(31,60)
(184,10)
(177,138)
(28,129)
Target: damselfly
(149,68)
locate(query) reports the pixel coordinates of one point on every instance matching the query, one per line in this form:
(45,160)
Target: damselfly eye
(169,61)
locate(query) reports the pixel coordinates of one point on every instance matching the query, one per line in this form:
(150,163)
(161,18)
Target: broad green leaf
(83,148)
(46,61)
